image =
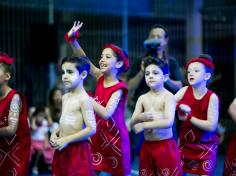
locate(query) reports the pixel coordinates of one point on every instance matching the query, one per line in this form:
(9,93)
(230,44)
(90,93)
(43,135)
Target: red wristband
(189,116)
(71,39)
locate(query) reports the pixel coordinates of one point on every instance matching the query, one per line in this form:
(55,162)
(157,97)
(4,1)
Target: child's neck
(4,90)
(77,90)
(110,80)
(157,91)
(199,90)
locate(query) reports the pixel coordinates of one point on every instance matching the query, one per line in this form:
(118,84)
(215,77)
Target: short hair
(7,67)
(162,27)
(81,63)
(163,65)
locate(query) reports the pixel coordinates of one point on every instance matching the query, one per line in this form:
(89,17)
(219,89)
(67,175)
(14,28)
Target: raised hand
(75,28)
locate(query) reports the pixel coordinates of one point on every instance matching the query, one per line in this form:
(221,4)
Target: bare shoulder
(214,98)
(183,89)
(84,98)
(16,97)
(143,97)
(16,100)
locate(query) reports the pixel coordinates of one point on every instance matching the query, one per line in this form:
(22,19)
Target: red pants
(159,158)
(74,160)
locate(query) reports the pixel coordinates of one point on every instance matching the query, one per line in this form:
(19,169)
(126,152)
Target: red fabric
(201,60)
(74,160)
(71,39)
(160,158)
(110,144)
(198,148)
(6,59)
(230,159)
(14,150)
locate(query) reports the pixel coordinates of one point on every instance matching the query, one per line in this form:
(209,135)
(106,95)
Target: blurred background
(32,32)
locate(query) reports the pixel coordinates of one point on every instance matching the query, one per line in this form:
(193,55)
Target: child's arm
(169,115)
(85,133)
(112,104)
(140,116)
(212,116)
(54,136)
(13,117)
(232,110)
(94,71)
(180,94)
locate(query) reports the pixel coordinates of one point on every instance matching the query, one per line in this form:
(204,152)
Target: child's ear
(84,74)
(119,64)
(8,76)
(207,76)
(166,77)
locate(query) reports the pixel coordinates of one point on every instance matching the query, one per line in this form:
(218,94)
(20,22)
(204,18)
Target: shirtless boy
(154,114)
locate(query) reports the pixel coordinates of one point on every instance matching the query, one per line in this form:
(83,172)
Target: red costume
(230,159)
(74,160)
(110,144)
(160,158)
(198,148)
(14,150)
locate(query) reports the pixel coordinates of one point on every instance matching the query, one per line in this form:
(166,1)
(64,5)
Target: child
(229,164)
(154,114)
(39,137)
(77,123)
(198,110)
(110,145)
(14,128)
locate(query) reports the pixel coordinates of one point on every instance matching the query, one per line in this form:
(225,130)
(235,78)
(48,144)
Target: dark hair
(7,67)
(163,65)
(162,27)
(81,63)
(209,58)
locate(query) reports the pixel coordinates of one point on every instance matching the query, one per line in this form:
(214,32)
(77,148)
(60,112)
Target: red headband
(120,53)
(204,61)
(6,59)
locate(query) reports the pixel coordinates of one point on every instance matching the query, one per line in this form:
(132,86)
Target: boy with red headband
(14,128)
(110,145)
(198,109)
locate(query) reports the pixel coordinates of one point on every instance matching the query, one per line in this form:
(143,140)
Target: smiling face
(71,77)
(197,73)
(154,77)
(108,61)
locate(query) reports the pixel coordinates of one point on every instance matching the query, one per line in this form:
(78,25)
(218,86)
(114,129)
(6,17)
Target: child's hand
(61,143)
(182,115)
(53,139)
(76,27)
(185,108)
(184,112)
(138,128)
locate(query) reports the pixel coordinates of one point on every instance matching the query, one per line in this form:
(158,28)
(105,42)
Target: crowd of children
(83,135)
